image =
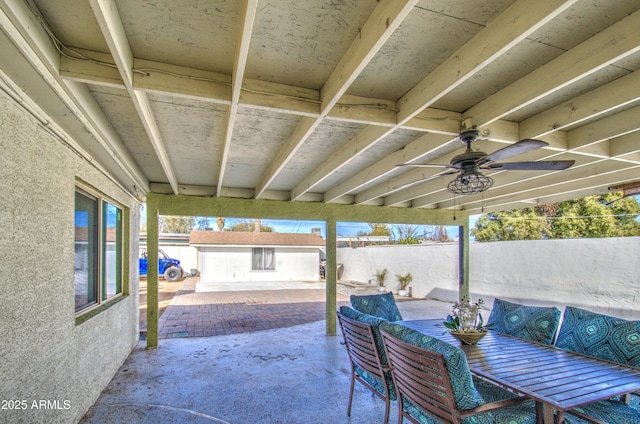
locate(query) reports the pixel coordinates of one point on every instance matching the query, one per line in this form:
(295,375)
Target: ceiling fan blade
(550,165)
(514,149)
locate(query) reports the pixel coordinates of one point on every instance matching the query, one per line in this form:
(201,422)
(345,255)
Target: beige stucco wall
(601,275)
(44,355)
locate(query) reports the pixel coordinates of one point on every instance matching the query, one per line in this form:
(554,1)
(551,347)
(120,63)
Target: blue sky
(293,226)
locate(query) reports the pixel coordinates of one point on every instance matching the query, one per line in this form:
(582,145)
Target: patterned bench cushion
(379,305)
(602,336)
(536,323)
(375,323)
(609,411)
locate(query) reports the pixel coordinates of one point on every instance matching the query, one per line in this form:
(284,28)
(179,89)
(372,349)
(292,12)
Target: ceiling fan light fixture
(470,183)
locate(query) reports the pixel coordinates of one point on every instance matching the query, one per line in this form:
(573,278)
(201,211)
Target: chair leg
(350,396)
(386,410)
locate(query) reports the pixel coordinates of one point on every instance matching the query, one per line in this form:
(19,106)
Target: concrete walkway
(287,375)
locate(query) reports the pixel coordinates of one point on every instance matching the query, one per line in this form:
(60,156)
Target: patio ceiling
(319,101)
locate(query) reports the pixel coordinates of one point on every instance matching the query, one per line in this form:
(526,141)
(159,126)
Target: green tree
(176,224)
(376,230)
(594,216)
(407,234)
(249,226)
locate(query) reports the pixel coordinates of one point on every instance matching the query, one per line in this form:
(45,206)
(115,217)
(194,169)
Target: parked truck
(168,267)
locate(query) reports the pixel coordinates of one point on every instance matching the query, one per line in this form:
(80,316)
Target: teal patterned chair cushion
(536,323)
(602,336)
(465,393)
(469,392)
(609,411)
(379,305)
(375,323)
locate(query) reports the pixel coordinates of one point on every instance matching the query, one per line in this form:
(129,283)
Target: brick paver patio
(192,314)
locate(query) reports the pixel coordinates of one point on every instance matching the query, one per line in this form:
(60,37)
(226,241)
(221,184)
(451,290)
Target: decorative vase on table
(468,337)
(465,323)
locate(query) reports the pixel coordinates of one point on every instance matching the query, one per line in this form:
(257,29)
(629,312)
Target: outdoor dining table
(558,380)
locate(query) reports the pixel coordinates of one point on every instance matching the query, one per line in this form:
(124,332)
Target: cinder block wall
(601,275)
(44,355)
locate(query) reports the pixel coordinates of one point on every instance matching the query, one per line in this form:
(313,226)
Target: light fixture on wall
(628,189)
(470,182)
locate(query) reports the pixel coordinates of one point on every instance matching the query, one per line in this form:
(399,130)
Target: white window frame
(262,259)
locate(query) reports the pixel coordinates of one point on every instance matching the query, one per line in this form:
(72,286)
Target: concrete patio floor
(285,375)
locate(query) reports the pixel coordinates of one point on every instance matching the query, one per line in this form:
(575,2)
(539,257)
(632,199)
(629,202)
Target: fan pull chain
(482,202)
(454,206)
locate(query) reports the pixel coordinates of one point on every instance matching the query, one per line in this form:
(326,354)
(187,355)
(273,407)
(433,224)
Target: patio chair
(379,305)
(368,365)
(537,323)
(435,385)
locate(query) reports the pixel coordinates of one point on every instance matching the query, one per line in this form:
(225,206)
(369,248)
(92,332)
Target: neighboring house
(249,256)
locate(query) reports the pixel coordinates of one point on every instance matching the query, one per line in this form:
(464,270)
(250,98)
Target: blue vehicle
(167,266)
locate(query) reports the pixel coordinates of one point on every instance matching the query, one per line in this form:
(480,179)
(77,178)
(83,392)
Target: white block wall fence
(602,275)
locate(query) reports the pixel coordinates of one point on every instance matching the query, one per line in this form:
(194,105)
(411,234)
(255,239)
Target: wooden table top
(555,377)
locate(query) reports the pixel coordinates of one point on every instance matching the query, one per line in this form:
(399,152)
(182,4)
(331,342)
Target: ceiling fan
(470,164)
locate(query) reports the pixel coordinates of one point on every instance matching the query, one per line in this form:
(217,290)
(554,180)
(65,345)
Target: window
(263,259)
(98,250)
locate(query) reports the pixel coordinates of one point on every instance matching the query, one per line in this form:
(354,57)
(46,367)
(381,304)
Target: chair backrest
(602,336)
(361,346)
(465,394)
(536,323)
(379,305)
(421,378)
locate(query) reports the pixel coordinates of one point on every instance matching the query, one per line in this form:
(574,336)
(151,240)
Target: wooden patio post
(331,277)
(152,273)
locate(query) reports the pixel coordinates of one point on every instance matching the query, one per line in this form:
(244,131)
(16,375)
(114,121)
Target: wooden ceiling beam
(504,32)
(563,190)
(607,98)
(28,35)
(113,31)
(610,127)
(426,144)
(384,20)
(603,49)
(508,29)
(239,66)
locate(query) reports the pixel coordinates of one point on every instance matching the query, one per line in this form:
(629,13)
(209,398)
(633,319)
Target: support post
(331,277)
(152,275)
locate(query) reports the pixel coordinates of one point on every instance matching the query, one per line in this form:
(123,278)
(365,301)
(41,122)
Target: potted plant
(466,323)
(381,276)
(404,281)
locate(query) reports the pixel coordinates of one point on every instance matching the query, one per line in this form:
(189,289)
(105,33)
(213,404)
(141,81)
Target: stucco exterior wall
(434,267)
(601,275)
(597,274)
(219,264)
(44,355)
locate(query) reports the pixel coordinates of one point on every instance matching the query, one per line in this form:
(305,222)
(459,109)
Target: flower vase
(469,337)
